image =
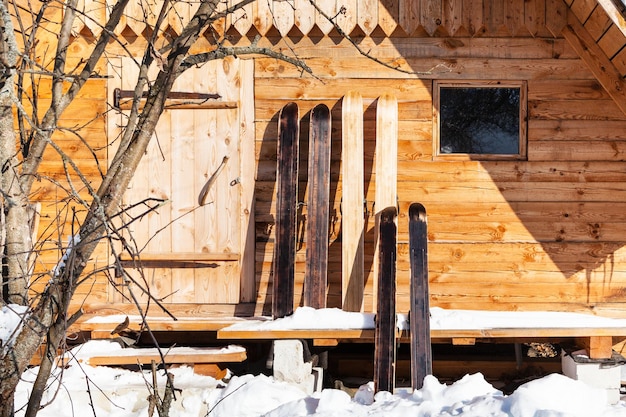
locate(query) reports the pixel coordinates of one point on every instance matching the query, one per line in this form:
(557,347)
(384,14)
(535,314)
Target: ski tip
(352,96)
(289,110)
(321,111)
(417,210)
(388,214)
(387,99)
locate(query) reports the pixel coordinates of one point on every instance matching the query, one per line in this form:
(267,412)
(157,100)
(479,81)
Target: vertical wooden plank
(388,16)
(247,172)
(241,19)
(96,10)
(286,210)
(409,15)
(179,16)
(184,195)
(133,16)
(304,16)
(556,16)
(138,188)
(316,274)
(283,12)
(79,22)
(208,157)
(534,15)
(330,8)
(419,314)
(227,220)
(385,333)
(473,17)
(352,220)
(348,20)
(114,121)
(386,165)
(514,15)
(432,15)
(262,16)
(367,15)
(453,16)
(493,14)
(159,182)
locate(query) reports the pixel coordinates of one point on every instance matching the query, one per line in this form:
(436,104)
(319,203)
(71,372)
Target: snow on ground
(10,324)
(79,389)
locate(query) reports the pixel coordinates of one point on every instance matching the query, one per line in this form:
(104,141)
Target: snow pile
(308,318)
(11,319)
(478,319)
(122,393)
(79,389)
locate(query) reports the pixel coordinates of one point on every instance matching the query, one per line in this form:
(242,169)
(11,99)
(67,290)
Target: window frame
(523,120)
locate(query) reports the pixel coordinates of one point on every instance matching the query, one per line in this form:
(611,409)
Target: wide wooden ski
(316,274)
(286,211)
(419,317)
(386,165)
(352,199)
(385,334)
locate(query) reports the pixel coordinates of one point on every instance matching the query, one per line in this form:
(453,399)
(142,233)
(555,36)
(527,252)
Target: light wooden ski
(386,166)
(316,274)
(286,210)
(419,318)
(352,219)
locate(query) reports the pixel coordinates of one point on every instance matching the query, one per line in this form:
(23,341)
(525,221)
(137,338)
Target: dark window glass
(480,120)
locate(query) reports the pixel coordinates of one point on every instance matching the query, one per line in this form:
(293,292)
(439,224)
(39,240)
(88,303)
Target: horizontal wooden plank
(323,90)
(440,47)
(511,171)
(186,105)
(574,110)
(566,90)
(368,334)
(182,257)
(607,150)
(512,192)
(267,110)
(575,130)
(188,355)
(429,68)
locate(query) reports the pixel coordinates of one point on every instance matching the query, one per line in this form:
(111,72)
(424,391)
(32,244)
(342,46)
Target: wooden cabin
(540,225)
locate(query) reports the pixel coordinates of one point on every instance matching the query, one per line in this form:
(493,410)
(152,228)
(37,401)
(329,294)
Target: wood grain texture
(352,198)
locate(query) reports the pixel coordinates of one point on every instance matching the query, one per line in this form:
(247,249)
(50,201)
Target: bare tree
(22,153)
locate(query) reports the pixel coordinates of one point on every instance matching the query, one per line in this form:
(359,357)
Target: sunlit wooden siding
(547,233)
(355,17)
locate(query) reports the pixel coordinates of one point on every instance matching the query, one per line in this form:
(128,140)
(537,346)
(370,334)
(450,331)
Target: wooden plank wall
(546,233)
(84,142)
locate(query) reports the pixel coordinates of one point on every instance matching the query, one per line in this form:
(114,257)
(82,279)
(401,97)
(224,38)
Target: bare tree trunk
(15,204)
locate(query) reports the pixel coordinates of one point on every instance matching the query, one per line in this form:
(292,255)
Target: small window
(478,120)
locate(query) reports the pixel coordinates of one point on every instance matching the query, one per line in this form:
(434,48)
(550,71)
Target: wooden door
(192,253)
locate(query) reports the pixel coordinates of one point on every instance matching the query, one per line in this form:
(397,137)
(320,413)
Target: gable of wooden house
(544,231)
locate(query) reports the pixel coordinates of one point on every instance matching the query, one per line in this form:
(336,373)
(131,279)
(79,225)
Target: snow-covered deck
(332,326)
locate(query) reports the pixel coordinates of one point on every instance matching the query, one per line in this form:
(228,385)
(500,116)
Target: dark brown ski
(286,211)
(318,201)
(385,337)
(419,317)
